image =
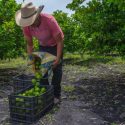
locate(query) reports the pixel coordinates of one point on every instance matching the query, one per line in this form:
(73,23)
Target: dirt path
(92,96)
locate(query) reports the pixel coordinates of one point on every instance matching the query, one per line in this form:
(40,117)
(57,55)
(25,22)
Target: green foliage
(102,22)
(36,44)
(68,29)
(98,27)
(11,40)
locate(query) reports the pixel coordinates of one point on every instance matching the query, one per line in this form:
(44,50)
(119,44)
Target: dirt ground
(94,95)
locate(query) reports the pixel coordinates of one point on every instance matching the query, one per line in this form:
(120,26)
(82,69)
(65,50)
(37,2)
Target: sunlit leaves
(11,40)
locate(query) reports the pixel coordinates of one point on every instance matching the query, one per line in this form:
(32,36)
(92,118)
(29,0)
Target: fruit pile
(34,100)
(35,91)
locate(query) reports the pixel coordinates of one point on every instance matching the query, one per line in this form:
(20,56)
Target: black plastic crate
(30,109)
(23,81)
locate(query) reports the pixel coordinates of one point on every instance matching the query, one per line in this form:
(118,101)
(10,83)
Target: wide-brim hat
(27,14)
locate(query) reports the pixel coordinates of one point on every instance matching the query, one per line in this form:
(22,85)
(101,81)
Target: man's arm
(28,38)
(29,45)
(58,37)
(60,46)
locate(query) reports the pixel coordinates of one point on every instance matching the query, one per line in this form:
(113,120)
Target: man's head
(28,15)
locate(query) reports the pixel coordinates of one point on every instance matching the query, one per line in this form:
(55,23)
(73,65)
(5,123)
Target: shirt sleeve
(26,32)
(55,28)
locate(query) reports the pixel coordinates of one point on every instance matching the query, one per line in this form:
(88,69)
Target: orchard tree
(11,40)
(102,22)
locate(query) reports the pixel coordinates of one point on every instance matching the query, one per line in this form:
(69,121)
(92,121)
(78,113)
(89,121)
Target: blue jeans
(57,72)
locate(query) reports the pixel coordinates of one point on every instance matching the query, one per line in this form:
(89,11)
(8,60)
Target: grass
(13,63)
(88,60)
(74,62)
(70,60)
(114,123)
(68,88)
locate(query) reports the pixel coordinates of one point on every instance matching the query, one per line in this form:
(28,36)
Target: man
(45,28)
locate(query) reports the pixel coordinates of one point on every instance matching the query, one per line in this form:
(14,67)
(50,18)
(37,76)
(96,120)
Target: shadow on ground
(87,62)
(105,97)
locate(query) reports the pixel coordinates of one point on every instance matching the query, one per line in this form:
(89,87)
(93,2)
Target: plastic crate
(21,82)
(31,108)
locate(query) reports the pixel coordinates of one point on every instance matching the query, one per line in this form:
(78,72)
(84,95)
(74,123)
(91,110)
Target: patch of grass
(114,123)
(117,60)
(49,118)
(71,60)
(76,68)
(72,97)
(13,63)
(68,88)
(89,60)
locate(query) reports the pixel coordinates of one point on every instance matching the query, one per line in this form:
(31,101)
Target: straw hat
(27,14)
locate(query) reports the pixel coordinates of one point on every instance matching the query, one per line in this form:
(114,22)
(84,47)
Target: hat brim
(23,22)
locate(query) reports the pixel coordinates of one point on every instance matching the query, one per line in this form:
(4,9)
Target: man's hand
(56,62)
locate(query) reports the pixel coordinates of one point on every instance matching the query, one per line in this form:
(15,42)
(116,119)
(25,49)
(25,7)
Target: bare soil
(98,97)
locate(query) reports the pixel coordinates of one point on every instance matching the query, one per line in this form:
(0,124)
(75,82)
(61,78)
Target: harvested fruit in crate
(42,66)
(36,91)
(30,104)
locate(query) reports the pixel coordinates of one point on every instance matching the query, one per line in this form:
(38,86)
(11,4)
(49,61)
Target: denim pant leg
(56,80)
(57,72)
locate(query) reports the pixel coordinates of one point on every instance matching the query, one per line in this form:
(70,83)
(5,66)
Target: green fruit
(43,90)
(37,84)
(30,92)
(17,99)
(27,105)
(26,93)
(36,93)
(37,89)
(34,81)
(38,76)
(37,73)
(23,94)
(39,101)
(21,100)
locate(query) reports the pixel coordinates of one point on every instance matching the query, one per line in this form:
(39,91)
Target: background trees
(11,38)
(98,27)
